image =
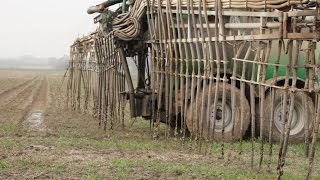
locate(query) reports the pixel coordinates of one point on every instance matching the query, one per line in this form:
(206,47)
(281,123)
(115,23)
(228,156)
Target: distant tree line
(32,62)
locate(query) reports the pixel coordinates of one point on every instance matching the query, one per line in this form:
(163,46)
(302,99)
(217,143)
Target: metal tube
(129,81)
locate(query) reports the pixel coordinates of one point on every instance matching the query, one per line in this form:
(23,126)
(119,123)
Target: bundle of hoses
(126,26)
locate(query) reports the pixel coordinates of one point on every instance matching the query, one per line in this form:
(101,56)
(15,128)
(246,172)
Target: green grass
(125,167)
(187,170)
(91,173)
(10,129)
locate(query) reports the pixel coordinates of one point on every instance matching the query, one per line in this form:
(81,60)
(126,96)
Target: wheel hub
(219,122)
(297,123)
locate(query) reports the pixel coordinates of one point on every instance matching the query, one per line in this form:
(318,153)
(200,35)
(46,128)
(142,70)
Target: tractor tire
(232,130)
(301,117)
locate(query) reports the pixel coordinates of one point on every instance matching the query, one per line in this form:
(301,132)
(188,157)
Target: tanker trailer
(217,69)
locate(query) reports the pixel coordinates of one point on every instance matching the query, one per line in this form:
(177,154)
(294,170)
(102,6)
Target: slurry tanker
(212,70)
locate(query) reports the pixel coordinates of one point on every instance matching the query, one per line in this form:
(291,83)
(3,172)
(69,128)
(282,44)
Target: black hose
(97,9)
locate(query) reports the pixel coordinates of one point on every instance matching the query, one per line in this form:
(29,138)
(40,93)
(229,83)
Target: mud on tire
(301,116)
(193,118)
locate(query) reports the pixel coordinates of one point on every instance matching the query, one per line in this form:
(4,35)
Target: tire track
(9,94)
(33,120)
(23,98)
(13,111)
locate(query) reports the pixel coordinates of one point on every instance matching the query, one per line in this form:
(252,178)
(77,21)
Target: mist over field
(32,62)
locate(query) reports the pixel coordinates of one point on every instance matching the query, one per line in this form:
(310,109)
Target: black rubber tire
(299,135)
(192,120)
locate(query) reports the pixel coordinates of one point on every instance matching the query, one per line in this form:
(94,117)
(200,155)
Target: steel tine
(174,69)
(209,72)
(262,89)
(204,74)
(284,118)
(238,52)
(171,60)
(275,75)
(161,70)
(183,76)
(184,53)
(193,73)
(218,64)
(253,107)
(242,96)
(198,70)
(314,138)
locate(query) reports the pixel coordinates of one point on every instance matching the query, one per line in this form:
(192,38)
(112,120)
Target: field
(41,138)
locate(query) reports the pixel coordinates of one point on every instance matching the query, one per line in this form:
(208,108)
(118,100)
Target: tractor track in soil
(13,110)
(34,116)
(19,101)
(8,95)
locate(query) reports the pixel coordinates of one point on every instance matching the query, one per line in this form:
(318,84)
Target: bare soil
(14,91)
(35,116)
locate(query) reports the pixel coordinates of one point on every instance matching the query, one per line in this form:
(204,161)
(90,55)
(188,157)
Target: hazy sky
(43,28)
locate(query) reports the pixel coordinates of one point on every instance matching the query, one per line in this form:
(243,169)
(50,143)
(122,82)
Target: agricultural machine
(214,70)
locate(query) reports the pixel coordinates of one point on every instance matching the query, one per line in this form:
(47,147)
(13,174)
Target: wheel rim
(297,123)
(218,119)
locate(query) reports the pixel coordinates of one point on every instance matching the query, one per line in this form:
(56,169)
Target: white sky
(43,28)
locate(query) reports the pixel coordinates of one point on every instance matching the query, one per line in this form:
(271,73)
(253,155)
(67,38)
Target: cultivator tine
(84,82)
(252,101)
(233,85)
(174,69)
(185,71)
(99,93)
(107,78)
(202,60)
(192,63)
(156,71)
(310,62)
(95,77)
(161,68)
(305,106)
(309,84)
(242,96)
(276,67)
(265,59)
(314,137)
(209,69)
(99,58)
(313,75)
(217,78)
(103,89)
(283,114)
(111,101)
(261,71)
(69,82)
(197,68)
(181,100)
(171,61)
(153,34)
(156,135)
(168,69)
(225,60)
